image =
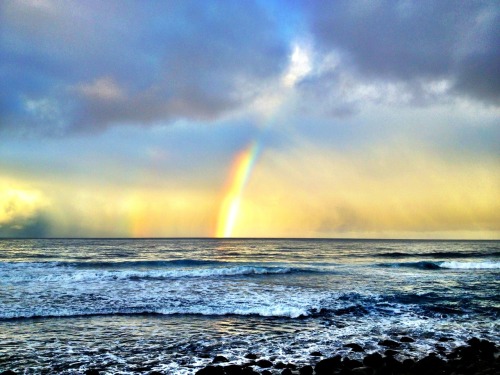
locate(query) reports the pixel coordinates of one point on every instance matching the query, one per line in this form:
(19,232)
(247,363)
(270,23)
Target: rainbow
(240,172)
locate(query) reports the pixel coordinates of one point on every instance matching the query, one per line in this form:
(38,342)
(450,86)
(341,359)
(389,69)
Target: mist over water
(67,304)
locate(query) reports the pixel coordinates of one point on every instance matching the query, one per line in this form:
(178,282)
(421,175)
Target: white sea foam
(67,274)
(267,311)
(220,297)
(470,265)
(289,311)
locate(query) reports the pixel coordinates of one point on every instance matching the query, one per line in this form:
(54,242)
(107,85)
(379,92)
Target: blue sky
(375,118)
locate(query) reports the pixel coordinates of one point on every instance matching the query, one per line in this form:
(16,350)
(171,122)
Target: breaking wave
(470,265)
(438,254)
(79,275)
(427,265)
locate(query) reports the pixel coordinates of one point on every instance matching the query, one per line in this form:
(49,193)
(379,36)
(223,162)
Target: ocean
(137,305)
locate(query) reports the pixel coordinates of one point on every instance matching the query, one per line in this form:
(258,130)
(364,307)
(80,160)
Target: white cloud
(104,88)
(300,65)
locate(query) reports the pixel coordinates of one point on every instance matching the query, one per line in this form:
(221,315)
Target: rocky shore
(477,357)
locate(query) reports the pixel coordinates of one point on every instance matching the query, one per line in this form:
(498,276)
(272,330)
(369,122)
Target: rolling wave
(276,311)
(119,264)
(427,265)
(274,304)
(352,304)
(438,254)
(470,265)
(81,275)
(144,263)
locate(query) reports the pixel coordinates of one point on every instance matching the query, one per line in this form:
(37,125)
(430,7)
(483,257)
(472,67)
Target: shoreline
(477,356)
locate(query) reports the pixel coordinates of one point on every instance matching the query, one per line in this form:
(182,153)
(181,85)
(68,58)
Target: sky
(266,118)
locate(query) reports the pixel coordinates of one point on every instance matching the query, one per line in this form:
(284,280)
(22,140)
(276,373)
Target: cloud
(105,89)
(418,52)
(91,209)
(22,212)
(98,64)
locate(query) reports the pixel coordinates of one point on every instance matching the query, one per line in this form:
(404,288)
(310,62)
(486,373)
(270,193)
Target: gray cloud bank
(69,66)
(413,45)
(86,65)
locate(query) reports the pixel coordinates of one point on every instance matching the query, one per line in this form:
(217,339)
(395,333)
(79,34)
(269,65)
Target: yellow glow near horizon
(19,204)
(370,195)
(304,191)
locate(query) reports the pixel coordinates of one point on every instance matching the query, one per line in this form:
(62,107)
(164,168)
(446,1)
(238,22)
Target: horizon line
(250,238)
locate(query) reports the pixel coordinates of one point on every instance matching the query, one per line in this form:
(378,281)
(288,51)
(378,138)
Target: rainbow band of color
(240,173)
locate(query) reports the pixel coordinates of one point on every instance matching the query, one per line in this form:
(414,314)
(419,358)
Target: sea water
(132,306)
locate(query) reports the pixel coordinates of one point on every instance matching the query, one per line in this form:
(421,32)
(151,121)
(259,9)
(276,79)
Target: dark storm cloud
(86,65)
(414,42)
(35,227)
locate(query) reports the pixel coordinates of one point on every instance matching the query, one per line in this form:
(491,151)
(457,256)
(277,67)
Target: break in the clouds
(84,66)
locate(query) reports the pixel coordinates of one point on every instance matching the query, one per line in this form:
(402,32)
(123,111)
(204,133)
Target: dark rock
(249,371)
(408,364)
(349,364)
(362,371)
(291,366)
(156,373)
(9,372)
(91,371)
(211,370)
(390,352)
(406,339)
(474,342)
(306,370)
(389,343)
(374,360)
(328,365)
(220,359)
(452,355)
(467,353)
(430,364)
(264,363)
(445,339)
(279,365)
(286,371)
(355,347)
(251,356)
(440,348)
(316,354)
(393,365)
(266,372)
(487,350)
(233,370)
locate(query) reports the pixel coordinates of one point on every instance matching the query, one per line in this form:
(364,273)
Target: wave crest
(470,265)
(427,265)
(79,275)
